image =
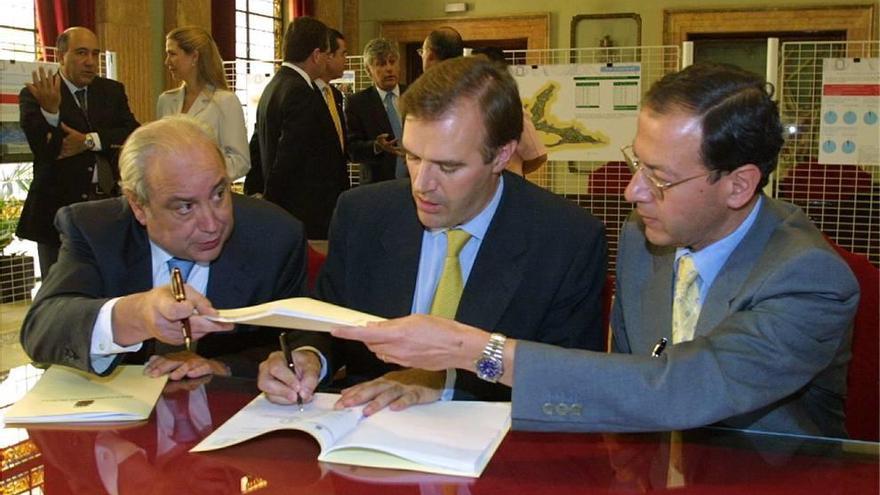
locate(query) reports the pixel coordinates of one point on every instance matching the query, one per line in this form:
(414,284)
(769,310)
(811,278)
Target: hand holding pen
(179,292)
(285,349)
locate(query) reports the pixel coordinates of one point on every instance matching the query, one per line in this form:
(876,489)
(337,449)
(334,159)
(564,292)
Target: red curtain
(223,27)
(54,16)
(299,8)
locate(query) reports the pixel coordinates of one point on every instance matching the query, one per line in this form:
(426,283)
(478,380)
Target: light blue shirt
(433,256)
(433,253)
(709,260)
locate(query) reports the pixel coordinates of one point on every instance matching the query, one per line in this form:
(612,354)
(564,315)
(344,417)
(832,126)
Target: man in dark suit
(530,263)
(303,165)
(333,98)
(372,139)
(107,300)
(74,121)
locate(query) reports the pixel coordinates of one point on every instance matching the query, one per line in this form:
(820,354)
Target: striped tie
(686,301)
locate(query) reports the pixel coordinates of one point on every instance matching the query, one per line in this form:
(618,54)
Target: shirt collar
(72,87)
(382,92)
(478,225)
(304,74)
(709,260)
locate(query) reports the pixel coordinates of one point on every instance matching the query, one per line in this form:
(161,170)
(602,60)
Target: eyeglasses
(656,185)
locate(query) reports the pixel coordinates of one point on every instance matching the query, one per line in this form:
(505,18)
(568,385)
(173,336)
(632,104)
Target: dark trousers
(48,254)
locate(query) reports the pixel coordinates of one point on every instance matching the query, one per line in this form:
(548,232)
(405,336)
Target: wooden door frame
(856,20)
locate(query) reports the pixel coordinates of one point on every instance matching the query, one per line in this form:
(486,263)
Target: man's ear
(743,185)
(502,156)
(137,208)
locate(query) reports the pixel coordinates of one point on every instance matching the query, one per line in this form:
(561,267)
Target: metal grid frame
(843,200)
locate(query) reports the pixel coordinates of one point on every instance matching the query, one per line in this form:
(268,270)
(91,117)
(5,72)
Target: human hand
(74,142)
(396,390)
(46,89)
(279,382)
(184,364)
(420,341)
(387,145)
(156,314)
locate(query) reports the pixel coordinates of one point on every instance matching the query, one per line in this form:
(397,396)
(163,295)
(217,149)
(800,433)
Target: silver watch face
(489,369)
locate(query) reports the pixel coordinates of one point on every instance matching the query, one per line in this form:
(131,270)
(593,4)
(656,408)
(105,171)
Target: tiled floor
(11,353)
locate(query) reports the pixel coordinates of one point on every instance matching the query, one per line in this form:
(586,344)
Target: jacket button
(576,409)
(547,408)
(562,409)
(89,169)
(84,196)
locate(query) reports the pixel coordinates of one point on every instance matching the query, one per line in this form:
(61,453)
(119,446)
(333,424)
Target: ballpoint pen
(289,358)
(180,295)
(658,347)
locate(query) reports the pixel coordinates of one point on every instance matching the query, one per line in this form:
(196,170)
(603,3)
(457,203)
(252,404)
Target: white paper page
(302,313)
(261,416)
(456,436)
(68,395)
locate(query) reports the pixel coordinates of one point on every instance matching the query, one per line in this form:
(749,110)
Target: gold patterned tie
(686,301)
(331,104)
(451,284)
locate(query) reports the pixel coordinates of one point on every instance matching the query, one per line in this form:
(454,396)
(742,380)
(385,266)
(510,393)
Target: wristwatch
(490,366)
(89,142)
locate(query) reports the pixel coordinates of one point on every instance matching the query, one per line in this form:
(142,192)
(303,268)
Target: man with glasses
(730,307)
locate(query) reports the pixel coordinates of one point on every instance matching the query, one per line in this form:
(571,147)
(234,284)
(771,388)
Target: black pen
(289,358)
(179,293)
(658,347)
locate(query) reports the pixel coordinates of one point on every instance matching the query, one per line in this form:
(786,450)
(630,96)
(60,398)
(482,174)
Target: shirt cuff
(449,386)
(51,118)
(97,139)
(103,349)
(323,372)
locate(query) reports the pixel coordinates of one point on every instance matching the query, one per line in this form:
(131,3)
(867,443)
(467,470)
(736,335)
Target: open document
(453,438)
(302,313)
(68,395)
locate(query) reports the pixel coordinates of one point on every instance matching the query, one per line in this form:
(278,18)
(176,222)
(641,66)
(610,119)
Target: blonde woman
(193,59)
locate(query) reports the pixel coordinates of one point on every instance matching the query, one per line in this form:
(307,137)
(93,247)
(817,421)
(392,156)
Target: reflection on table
(152,458)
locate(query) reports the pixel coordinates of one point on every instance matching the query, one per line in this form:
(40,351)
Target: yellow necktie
(451,284)
(686,301)
(331,104)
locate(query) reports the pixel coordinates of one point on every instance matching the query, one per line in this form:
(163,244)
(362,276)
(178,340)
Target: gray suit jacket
(105,253)
(538,275)
(770,350)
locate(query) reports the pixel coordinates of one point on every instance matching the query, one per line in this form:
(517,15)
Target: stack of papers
(68,395)
(302,313)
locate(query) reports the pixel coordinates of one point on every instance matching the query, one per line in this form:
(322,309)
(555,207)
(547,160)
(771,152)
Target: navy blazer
(538,275)
(366,116)
(304,168)
(106,254)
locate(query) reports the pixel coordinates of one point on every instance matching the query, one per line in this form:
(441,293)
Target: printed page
(456,437)
(68,395)
(303,313)
(261,416)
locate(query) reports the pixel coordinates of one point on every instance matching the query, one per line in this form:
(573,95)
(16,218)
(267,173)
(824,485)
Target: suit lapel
(498,268)
(658,317)
(201,102)
(71,113)
(737,269)
(401,242)
(377,112)
(229,282)
(137,254)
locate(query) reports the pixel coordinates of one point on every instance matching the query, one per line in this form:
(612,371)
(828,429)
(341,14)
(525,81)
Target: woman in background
(193,59)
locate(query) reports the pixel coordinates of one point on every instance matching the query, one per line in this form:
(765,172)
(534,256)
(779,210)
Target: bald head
(78,51)
(441,44)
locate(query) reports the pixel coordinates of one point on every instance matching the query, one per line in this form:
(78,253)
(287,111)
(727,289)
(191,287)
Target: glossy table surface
(149,457)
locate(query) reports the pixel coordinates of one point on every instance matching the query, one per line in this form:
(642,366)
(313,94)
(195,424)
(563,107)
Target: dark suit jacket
(769,351)
(106,253)
(303,165)
(365,113)
(59,183)
(538,275)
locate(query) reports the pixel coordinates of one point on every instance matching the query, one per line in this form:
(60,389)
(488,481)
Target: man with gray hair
(108,300)
(373,115)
